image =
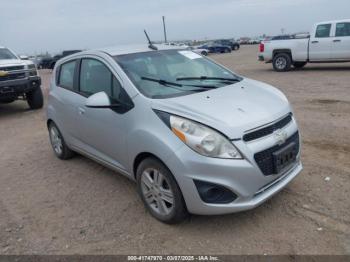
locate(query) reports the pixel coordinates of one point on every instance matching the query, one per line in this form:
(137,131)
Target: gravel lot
(48,206)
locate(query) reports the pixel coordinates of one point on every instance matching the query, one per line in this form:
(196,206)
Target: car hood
(232,109)
(10,62)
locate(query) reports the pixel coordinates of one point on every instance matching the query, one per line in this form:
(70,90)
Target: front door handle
(336,40)
(81,111)
(314,42)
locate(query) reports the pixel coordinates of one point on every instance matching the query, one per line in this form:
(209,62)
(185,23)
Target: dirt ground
(49,206)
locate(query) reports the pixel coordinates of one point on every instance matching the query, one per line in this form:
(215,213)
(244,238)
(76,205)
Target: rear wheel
(282,62)
(59,147)
(35,98)
(159,192)
(204,53)
(299,64)
(235,47)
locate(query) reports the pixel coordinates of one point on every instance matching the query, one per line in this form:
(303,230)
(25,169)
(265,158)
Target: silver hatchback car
(196,137)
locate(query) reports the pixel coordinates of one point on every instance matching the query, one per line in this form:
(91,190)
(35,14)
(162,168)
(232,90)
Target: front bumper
(243,177)
(19,86)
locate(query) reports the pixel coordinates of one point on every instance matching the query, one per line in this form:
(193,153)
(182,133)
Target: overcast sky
(29,26)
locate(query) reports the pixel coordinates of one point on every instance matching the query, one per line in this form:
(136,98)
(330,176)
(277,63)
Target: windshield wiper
(175,85)
(161,81)
(208,78)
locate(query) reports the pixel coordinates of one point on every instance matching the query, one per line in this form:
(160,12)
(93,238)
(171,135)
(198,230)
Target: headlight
(32,70)
(200,138)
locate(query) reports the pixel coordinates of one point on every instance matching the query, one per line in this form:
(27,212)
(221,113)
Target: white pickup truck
(328,42)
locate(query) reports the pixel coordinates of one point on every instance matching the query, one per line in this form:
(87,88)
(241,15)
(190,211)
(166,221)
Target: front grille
(268,130)
(11,68)
(13,77)
(264,159)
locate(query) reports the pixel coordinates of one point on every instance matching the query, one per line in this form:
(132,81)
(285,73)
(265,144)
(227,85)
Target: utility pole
(164,29)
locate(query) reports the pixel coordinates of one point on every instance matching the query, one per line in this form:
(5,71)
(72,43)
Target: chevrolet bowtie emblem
(3,73)
(280,136)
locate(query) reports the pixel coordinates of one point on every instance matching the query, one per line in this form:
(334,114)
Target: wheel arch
(142,156)
(279,51)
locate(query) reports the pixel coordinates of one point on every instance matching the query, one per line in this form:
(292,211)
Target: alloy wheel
(157,192)
(56,140)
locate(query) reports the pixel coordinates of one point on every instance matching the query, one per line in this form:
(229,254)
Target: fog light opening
(213,193)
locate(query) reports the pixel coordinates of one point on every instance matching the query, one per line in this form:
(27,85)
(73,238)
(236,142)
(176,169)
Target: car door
(341,41)
(103,130)
(66,101)
(321,43)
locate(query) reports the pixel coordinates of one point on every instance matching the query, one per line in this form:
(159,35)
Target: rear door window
(66,75)
(323,30)
(342,29)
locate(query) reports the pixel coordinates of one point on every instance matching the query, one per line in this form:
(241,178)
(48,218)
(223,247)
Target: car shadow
(14,108)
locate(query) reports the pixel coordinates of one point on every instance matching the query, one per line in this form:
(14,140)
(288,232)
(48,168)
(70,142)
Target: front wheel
(204,53)
(282,62)
(299,64)
(35,98)
(160,192)
(58,144)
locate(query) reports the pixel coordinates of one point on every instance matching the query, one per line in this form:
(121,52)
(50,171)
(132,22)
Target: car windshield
(156,73)
(6,54)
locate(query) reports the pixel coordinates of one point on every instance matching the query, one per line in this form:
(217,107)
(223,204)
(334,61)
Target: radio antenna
(150,44)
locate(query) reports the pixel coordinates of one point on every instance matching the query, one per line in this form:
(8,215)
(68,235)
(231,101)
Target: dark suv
(50,62)
(231,43)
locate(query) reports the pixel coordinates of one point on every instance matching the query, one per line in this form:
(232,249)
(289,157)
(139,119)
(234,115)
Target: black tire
(178,211)
(204,53)
(66,152)
(282,62)
(235,47)
(35,98)
(299,64)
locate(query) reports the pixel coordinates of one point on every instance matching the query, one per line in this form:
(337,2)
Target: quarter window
(66,75)
(323,30)
(342,29)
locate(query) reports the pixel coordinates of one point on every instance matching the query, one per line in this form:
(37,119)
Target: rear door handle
(81,111)
(336,40)
(314,42)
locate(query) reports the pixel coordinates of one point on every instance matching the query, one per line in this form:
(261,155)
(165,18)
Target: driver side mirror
(98,100)
(102,100)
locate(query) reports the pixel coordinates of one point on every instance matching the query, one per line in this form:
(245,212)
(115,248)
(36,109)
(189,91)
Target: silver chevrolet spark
(196,137)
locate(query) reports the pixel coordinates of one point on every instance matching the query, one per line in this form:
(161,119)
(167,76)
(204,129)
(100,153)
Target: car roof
(333,21)
(130,49)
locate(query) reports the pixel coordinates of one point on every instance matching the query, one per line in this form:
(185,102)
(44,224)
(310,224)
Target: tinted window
(342,29)
(323,30)
(66,78)
(96,77)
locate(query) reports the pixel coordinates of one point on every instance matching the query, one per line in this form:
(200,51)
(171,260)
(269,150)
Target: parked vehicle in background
(50,63)
(216,48)
(45,62)
(281,37)
(195,136)
(19,79)
(254,41)
(328,42)
(198,50)
(244,40)
(231,43)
